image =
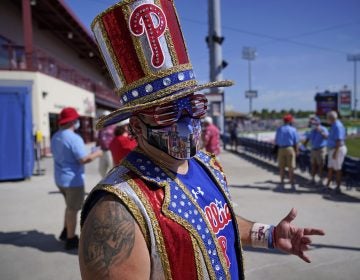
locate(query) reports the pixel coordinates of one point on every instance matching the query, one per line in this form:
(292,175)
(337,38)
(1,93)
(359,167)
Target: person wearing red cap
(287,140)
(69,153)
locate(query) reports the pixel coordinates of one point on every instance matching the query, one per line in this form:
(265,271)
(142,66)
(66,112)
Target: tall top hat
(142,44)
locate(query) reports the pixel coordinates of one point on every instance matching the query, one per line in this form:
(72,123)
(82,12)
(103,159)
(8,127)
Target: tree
(264,113)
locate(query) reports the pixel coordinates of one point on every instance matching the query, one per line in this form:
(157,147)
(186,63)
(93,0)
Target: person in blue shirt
(68,150)
(336,149)
(317,137)
(287,140)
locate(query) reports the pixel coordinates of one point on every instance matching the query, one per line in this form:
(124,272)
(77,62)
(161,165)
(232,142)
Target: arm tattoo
(109,237)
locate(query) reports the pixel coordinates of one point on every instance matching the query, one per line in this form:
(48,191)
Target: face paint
(180,140)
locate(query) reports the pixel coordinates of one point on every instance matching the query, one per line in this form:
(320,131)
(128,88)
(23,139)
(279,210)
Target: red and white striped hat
(142,44)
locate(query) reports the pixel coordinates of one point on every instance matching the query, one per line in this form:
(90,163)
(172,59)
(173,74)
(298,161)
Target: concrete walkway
(31,214)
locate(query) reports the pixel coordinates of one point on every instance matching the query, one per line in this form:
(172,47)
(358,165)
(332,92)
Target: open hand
(293,240)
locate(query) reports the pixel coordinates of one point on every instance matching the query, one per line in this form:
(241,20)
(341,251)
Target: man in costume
(165,212)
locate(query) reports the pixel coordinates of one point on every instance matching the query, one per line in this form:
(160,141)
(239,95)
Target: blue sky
(301,46)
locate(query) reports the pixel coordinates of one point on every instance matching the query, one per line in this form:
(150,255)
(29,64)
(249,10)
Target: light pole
(355,58)
(249,54)
(214,41)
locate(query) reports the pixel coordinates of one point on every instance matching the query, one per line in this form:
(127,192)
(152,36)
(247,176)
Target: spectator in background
(317,138)
(122,144)
(233,134)
(211,137)
(336,149)
(104,139)
(70,155)
(287,139)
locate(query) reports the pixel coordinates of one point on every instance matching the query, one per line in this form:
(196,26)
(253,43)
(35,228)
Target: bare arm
(245,230)
(90,157)
(112,245)
(338,145)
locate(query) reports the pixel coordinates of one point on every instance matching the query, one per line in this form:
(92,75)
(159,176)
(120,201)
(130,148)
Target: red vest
(179,234)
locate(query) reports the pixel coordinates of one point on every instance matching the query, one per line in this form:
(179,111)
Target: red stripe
(175,30)
(122,46)
(177,240)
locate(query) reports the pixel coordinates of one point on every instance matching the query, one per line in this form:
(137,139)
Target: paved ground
(31,214)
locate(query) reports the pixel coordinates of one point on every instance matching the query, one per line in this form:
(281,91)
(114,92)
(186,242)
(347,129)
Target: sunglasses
(169,113)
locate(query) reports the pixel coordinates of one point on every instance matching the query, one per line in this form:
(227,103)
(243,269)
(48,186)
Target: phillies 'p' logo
(150,19)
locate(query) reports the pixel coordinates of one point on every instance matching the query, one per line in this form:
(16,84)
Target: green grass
(351,122)
(353,145)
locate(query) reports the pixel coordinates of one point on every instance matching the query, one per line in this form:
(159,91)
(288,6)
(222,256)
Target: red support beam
(28,33)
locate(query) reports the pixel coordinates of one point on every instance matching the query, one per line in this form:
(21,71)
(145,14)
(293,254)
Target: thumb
(291,216)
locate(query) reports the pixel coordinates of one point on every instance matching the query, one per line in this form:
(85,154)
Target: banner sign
(345,103)
(325,102)
(251,93)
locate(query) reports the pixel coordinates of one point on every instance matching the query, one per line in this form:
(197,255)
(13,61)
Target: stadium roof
(56,17)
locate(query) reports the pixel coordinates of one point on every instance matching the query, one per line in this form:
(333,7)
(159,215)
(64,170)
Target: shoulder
(340,124)
(294,130)
(75,138)
(323,128)
(111,241)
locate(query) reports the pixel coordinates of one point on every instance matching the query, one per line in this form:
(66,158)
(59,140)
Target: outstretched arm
(285,236)
(112,245)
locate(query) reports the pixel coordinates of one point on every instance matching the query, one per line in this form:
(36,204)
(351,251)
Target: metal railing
(265,150)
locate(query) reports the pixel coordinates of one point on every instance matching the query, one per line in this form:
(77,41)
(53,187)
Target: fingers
(313,231)
(304,248)
(304,257)
(291,216)
(306,240)
(300,245)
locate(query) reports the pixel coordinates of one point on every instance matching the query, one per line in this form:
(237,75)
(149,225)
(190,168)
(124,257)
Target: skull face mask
(181,140)
(175,127)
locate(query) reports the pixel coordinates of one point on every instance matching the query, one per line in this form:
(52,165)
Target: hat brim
(127,110)
(67,120)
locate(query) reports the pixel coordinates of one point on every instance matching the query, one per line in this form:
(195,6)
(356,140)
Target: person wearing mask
(165,211)
(105,136)
(336,150)
(287,139)
(122,144)
(317,137)
(70,156)
(211,137)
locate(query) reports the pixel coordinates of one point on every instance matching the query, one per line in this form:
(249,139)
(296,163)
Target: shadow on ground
(58,192)
(263,251)
(34,239)
(343,197)
(278,189)
(312,247)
